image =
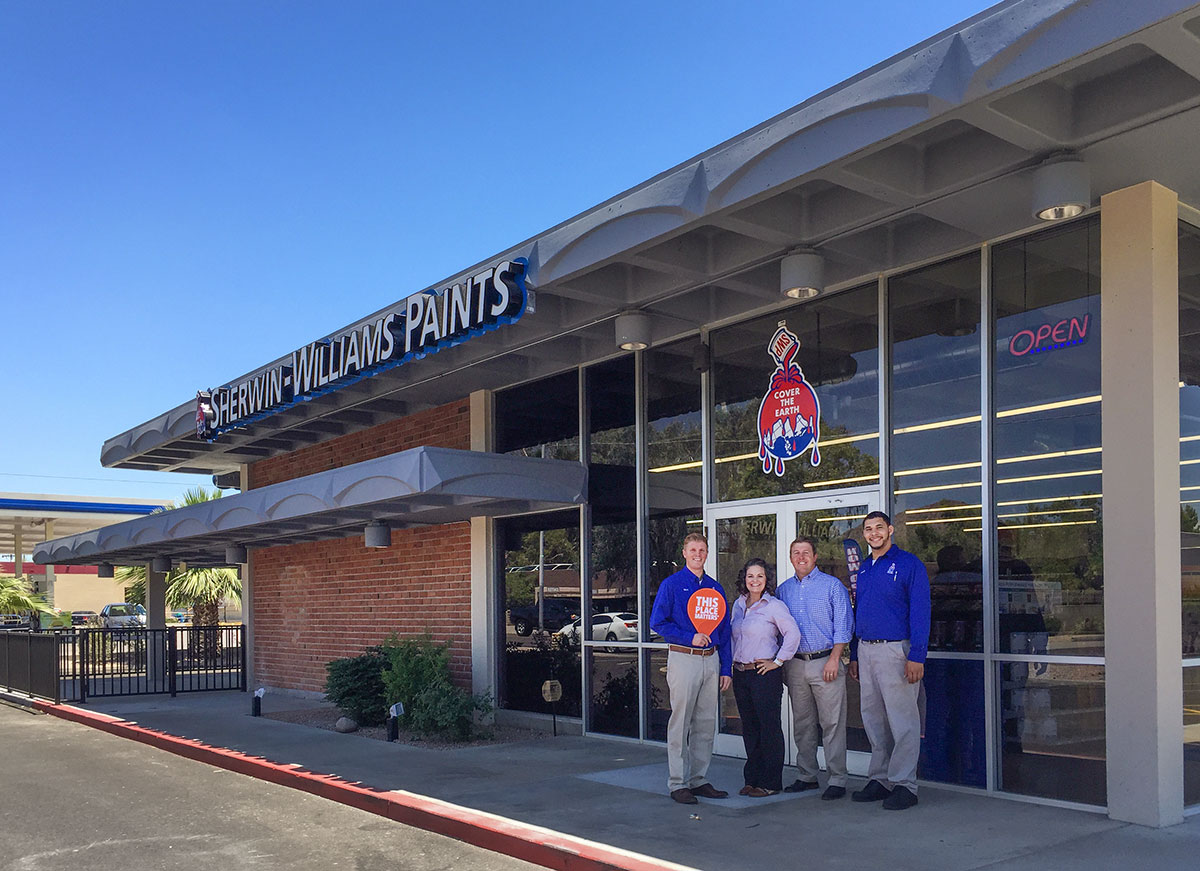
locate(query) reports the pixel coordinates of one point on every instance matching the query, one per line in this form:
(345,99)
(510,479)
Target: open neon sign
(1050,336)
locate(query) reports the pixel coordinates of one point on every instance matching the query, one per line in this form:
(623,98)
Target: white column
(1139,273)
(18,551)
(50,577)
(156,599)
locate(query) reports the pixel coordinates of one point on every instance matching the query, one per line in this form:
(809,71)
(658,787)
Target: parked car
(613,626)
(122,615)
(555,614)
(182,616)
(84,618)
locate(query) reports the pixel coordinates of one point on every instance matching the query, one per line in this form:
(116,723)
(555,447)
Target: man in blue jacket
(697,664)
(891,624)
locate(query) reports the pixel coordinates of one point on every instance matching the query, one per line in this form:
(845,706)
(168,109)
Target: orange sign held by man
(706,609)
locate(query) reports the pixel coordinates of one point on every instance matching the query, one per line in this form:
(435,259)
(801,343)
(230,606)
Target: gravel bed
(324,718)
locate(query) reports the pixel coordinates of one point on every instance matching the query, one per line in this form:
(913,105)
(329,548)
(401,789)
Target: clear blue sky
(190,189)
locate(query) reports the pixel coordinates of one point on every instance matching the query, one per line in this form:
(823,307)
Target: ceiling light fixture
(633,331)
(1062,187)
(802,274)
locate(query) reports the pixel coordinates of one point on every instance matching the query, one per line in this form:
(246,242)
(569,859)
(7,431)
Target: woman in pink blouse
(765,636)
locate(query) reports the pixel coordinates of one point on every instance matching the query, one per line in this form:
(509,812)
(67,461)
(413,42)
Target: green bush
(355,685)
(418,676)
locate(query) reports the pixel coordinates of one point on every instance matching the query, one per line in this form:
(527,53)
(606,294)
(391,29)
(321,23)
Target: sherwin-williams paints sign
(422,324)
(789,418)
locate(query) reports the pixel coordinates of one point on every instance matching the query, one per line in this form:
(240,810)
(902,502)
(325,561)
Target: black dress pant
(759,700)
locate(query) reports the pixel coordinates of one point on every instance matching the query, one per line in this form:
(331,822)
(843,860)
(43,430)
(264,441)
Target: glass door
(766,530)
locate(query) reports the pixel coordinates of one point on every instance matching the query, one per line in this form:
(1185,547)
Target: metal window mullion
(642,525)
(707,466)
(991,706)
(585,562)
(885,395)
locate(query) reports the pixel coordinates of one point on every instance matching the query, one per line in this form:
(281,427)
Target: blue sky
(190,189)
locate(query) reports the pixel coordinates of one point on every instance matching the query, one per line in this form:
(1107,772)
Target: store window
(674,459)
(542,595)
(1046,437)
(936,455)
(839,357)
(1189,500)
(540,419)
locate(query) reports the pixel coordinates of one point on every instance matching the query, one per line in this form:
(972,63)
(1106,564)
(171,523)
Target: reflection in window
(674,454)
(613,707)
(1050,570)
(658,704)
(540,419)
(1052,732)
(1189,433)
(839,357)
(542,603)
(953,749)
(936,440)
(612,485)
(1191,736)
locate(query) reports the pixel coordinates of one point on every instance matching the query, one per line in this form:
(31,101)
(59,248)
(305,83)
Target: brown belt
(694,651)
(744,666)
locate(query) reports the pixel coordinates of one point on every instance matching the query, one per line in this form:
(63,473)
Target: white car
(122,615)
(612,626)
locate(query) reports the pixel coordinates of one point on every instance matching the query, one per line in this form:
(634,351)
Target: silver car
(122,615)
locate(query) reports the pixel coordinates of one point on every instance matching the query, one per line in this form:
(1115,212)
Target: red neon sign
(1050,336)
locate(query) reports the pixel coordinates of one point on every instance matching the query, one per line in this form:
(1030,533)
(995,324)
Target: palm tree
(201,589)
(17,597)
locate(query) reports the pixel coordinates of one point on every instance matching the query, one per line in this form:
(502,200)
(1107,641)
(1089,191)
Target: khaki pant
(693,684)
(816,702)
(890,713)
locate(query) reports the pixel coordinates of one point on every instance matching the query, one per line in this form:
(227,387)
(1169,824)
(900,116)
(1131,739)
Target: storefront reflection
(613,706)
(954,745)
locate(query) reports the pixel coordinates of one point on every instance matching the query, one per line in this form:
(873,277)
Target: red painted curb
(491,832)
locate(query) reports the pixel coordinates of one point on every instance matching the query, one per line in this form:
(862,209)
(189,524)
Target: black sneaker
(900,799)
(873,791)
(832,793)
(801,786)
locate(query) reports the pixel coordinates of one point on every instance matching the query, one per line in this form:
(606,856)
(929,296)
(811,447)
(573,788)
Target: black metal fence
(73,665)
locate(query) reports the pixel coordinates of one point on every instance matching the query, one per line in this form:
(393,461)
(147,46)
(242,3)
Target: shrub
(355,685)
(418,676)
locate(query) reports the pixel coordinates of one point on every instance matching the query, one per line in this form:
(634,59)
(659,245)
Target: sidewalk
(614,793)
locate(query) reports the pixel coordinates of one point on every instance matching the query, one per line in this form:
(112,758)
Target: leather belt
(694,651)
(881,640)
(809,657)
(744,666)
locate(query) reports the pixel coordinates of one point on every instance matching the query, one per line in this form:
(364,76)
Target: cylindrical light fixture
(377,534)
(1062,187)
(235,554)
(105,570)
(633,331)
(802,274)
(160,564)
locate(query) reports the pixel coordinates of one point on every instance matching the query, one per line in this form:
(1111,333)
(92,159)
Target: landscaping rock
(345,724)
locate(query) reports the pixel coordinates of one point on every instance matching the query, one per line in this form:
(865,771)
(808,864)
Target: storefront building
(963,287)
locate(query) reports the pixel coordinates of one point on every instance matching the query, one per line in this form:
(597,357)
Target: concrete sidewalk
(614,793)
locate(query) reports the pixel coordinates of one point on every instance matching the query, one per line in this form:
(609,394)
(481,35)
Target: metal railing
(75,664)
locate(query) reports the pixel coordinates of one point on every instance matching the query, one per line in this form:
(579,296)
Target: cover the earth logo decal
(789,418)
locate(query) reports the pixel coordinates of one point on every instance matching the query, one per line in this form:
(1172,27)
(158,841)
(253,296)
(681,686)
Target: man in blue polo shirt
(697,664)
(891,623)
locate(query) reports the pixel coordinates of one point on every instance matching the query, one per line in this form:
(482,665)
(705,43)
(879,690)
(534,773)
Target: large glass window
(935,409)
(1189,434)
(1050,568)
(674,458)
(540,419)
(542,595)
(612,485)
(839,357)
(1191,735)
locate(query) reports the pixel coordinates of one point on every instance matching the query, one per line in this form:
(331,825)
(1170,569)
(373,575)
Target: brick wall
(318,601)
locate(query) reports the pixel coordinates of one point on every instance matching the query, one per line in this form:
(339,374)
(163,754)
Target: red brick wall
(318,601)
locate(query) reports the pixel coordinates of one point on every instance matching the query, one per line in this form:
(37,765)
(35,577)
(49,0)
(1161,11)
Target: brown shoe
(745,790)
(707,790)
(684,796)
(759,792)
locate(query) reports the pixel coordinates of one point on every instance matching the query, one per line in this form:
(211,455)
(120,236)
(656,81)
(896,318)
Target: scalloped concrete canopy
(418,487)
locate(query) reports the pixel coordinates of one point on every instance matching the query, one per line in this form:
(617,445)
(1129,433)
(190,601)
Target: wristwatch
(778,663)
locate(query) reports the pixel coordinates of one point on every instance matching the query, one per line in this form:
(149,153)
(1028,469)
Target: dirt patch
(324,718)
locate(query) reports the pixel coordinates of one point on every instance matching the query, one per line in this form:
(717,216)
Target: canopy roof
(421,486)
(33,517)
(925,154)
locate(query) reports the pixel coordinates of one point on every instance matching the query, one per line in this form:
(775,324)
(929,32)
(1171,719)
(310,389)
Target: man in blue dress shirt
(891,623)
(815,679)
(697,664)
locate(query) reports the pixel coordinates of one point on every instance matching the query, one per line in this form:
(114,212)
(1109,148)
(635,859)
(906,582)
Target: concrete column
(484,643)
(50,578)
(156,599)
(248,592)
(18,551)
(1139,273)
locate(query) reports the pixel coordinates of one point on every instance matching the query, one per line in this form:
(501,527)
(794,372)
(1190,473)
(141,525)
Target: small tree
(17,597)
